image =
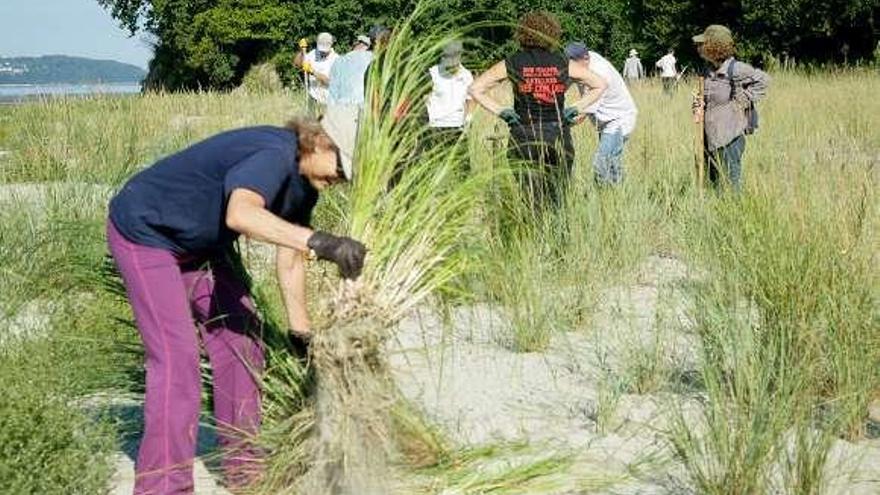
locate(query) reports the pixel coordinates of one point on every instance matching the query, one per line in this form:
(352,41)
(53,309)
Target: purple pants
(169,301)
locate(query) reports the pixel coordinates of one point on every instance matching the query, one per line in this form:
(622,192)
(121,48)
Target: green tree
(838,30)
(212,43)
(201,43)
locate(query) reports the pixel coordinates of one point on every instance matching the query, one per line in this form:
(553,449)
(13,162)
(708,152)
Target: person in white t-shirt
(317,64)
(668,72)
(614,114)
(450,105)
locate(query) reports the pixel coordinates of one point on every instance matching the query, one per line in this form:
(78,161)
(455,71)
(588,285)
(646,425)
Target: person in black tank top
(539,122)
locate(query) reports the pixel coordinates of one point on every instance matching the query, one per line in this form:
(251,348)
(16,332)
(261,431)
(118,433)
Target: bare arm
(246,214)
(484,84)
(324,79)
(291,271)
(298,58)
(470,106)
(589,80)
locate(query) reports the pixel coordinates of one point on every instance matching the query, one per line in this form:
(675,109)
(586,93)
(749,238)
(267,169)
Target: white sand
(464,379)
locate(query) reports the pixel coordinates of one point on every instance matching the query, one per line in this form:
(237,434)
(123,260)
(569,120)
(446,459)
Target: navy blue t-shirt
(179,203)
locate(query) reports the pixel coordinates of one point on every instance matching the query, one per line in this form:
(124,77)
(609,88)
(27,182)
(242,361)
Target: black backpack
(751,110)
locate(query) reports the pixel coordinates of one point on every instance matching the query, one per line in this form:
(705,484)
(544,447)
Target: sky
(66,27)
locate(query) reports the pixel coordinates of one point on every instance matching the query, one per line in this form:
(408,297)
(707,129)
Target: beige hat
(324,42)
(715,32)
(340,122)
(633,52)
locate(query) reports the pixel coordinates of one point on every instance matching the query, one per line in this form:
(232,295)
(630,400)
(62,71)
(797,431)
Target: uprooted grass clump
(414,230)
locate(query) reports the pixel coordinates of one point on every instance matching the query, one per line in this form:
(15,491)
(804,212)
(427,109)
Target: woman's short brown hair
(538,29)
(309,134)
(718,51)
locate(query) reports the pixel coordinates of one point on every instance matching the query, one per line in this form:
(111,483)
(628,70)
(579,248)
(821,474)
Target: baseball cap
(577,50)
(340,122)
(452,54)
(324,42)
(715,32)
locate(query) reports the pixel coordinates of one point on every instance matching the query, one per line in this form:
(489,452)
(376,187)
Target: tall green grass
(785,304)
(788,314)
(60,342)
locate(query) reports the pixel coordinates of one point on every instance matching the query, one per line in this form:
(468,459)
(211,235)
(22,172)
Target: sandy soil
(570,396)
(129,413)
(462,373)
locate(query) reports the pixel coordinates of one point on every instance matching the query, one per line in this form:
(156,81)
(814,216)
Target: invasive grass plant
(105,139)
(788,317)
(785,307)
(412,207)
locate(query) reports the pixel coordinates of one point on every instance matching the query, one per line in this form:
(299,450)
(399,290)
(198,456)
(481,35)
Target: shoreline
(12,94)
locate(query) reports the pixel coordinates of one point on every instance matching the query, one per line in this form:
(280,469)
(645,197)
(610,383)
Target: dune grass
(785,308)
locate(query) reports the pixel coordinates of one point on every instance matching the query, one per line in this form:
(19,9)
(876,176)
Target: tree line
(212,43)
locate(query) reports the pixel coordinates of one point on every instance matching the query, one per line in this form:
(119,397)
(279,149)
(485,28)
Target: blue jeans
(725,164)
(607,162)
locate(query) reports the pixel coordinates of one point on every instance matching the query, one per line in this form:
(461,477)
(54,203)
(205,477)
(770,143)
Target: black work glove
(510,116)
(298,343)
(347,253)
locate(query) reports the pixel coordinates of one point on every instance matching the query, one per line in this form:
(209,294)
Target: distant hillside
(60,69)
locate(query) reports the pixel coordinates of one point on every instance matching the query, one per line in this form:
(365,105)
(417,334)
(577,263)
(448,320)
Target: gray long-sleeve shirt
(632,68)
(725,116)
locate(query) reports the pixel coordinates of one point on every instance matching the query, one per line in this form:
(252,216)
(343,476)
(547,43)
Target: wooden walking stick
(700,134)
(303,47)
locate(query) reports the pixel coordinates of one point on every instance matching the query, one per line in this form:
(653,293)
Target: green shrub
(262,79)
(48,444)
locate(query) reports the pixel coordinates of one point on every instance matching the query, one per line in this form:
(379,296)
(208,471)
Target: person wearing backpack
(727,109)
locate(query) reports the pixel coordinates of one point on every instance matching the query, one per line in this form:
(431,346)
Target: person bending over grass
(727,109)
(614,114)
(539,121)
(171,231)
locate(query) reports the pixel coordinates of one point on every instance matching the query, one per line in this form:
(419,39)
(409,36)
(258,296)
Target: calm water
(12,93)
